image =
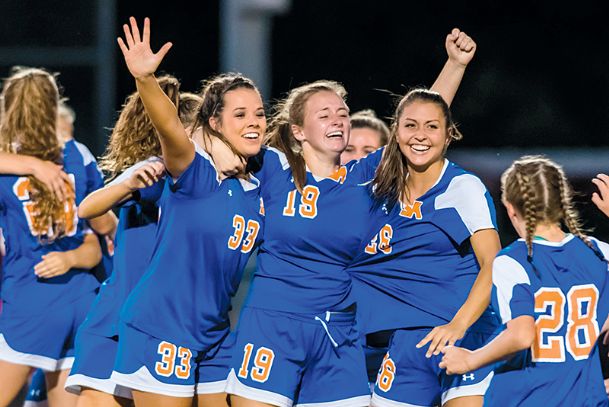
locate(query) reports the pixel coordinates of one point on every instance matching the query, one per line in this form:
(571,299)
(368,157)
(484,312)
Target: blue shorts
(93,364)
(408,378)
(290,359)
(44,341)
(150,364)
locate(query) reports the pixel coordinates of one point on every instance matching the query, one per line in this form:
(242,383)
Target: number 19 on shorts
(262,363)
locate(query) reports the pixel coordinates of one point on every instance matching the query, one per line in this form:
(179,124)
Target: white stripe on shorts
(75,383)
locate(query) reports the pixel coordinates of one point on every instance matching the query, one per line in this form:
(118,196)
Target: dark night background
(538,82)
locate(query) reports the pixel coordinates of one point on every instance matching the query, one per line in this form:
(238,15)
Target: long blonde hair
(28,125)
(539,190)
(291,111)
(134,138)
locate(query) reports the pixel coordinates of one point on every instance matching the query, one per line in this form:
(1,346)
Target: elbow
(525,337)
(105,224)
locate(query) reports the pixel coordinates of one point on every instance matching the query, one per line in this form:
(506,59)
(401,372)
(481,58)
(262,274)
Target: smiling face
(325,128)
(422,134)
(242,120)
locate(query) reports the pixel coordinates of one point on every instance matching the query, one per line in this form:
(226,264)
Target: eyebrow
(245,108)
(327,108)
(428,121)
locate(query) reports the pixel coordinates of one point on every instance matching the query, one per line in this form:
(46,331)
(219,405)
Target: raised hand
(601,198)
(140,59)
(442,336)
(145,176)
(460,47)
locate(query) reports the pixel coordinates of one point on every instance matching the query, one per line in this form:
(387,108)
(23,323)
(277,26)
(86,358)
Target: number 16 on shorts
(260,370)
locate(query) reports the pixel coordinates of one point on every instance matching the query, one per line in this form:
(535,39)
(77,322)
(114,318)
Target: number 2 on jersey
(21,188)
(582,326)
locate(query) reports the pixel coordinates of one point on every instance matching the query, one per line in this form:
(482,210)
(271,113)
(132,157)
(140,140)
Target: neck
(420,180)
(550,232)
(321,165)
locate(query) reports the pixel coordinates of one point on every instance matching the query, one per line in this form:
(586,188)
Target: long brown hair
(212,93)
(539,190)
(390,179)
(134,138)
(291,111)
(28,125)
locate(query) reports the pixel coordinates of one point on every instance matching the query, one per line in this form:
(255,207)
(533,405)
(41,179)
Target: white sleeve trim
(129,171)
(87,156)
(283,160)
(466,193)
(507,273)
(604,247)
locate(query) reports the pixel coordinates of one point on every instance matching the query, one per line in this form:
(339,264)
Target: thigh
(212,400)
(95,398)
(145,399)
(406,376)
(12,378)
(56,393)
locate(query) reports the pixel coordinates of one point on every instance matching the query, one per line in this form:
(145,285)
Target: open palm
(140,59)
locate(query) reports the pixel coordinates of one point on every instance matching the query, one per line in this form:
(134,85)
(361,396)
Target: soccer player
(549,289)
(46,285)
(174,327)
(435,233)
(136,171)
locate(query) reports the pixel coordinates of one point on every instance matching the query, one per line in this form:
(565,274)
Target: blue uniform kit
(301,294)
(97,339)
(564,289)
(40,316)
(414,273)
(176,317)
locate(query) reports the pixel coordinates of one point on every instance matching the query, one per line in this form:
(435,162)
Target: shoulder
(87,156)
(508,269)
(602,246)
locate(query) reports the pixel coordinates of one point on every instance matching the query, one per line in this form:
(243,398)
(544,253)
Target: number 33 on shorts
(174,360)
(263,362)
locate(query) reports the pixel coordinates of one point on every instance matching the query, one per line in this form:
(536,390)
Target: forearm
(105,224)
(17,164)
(87,255)
(504,345)
(478,299)
(178,151)
(448,81)
(101,201)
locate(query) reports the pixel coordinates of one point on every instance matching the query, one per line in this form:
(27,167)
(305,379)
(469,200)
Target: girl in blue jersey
(46,287)
(174,327)
(549,290)
(435,235)
(134,167)
(309,351)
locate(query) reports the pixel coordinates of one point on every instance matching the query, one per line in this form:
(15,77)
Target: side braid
(570,215)
(530,209)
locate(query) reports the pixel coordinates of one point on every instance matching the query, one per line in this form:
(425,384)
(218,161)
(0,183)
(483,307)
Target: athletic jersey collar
(339,175)
(568,237)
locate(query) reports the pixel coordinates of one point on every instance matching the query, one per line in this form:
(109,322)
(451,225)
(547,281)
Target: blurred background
(538,82)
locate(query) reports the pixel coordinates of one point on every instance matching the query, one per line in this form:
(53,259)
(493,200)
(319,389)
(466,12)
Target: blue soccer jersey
(418,268)
(309,238)
(206,233)
(25,293)
(135,238)
(566,293)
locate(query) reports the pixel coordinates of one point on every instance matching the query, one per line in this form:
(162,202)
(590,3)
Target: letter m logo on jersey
(412,210)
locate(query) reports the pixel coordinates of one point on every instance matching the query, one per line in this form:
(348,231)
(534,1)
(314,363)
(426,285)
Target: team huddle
(380,279)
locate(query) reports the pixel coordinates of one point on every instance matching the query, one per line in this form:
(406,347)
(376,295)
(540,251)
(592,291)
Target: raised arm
(50,174)
(178,151)
(104,199)
(460,49)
